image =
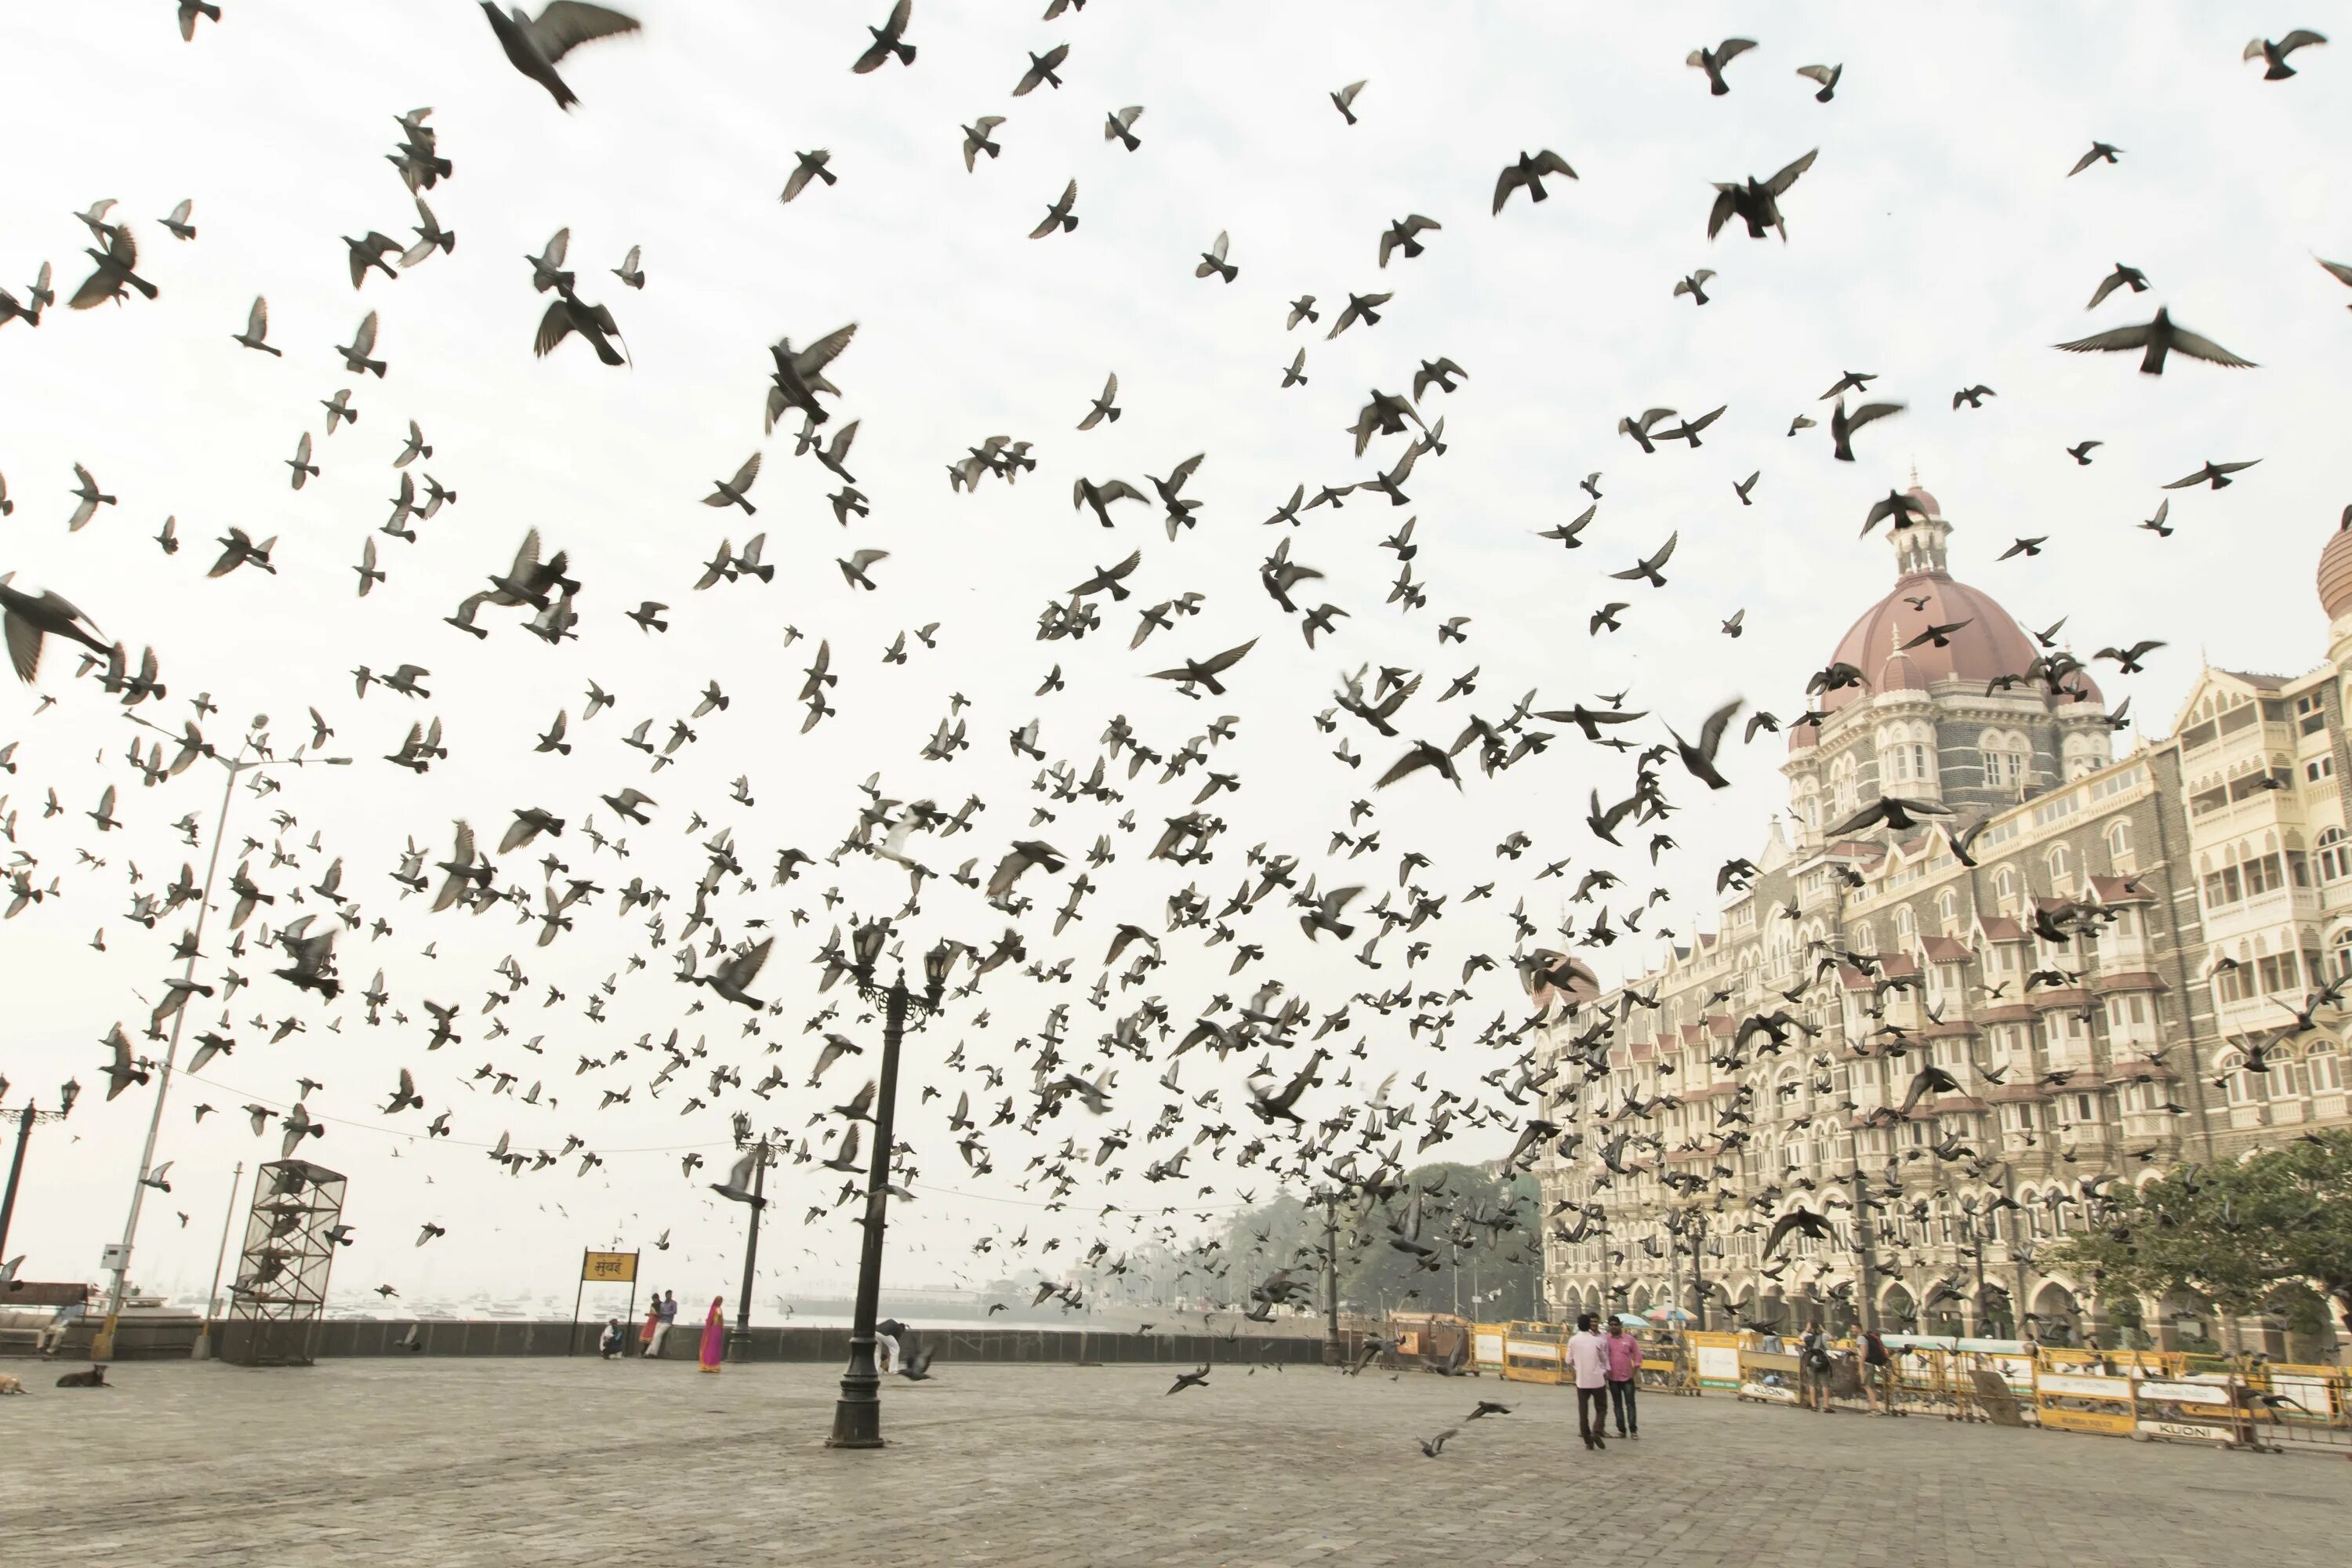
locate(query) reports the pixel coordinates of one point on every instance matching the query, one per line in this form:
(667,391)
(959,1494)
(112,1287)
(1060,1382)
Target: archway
(1896,1311)
(2056,1316)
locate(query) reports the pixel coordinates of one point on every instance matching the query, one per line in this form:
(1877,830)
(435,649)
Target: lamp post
(211,1300)
(119,1258)
(1864,1263)
(1330,1199)
(738,1343)
(857,1413)
(26,1120)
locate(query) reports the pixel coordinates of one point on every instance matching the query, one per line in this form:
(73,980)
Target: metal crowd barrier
(2146,1395)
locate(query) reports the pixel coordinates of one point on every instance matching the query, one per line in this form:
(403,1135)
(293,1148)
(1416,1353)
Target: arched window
(1948,908)
(2004,888)
(2334,855)
(2326,1067)
(2119,845)
(2343,946)
(2060,864)
(1906,928)
(2244,1088)
(1842,787)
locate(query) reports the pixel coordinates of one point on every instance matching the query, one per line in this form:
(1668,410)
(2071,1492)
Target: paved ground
(443,1463)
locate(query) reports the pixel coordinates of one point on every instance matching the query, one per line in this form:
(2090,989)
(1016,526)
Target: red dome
(1990,644)
(2335,573)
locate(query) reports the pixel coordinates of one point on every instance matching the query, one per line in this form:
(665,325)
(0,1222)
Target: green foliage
(1471,1258)
(2245,1236)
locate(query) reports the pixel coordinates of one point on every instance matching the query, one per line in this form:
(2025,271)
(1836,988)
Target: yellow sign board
(2114,1424)
(610,1267)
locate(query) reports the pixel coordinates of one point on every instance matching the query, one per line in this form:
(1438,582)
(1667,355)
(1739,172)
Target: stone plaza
(497,1462)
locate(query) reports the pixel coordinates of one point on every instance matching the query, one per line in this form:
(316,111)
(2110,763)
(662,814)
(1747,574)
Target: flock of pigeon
(1064,1039)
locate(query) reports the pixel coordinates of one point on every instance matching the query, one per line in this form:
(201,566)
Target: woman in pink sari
(714,1336)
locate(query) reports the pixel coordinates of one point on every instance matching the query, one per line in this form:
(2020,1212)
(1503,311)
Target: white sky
(1937,241)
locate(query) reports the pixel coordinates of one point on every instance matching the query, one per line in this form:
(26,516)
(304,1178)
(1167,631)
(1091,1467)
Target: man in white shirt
(1588,1359)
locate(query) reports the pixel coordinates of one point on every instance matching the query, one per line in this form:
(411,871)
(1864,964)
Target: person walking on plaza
(714,1335)
(1588,1358)
(1814,1368)
(648,1337)
(1877,1373)
(1624,1374)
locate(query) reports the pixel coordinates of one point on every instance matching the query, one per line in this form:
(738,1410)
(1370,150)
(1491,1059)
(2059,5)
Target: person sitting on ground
(53,1334)
(612,1340)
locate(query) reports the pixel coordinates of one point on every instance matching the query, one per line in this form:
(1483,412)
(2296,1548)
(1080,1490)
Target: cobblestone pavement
(441,1463)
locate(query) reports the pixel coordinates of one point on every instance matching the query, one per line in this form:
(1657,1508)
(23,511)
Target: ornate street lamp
(857,1414)
(26,1120)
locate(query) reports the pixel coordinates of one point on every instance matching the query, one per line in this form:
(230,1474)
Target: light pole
(119,1259)
(26,1120)
(1864,1261)
(211,1300)
(738,1345)
(857,1413)
(1329,1198)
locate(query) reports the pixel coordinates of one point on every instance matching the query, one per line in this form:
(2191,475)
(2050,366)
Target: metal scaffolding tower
(280,1288)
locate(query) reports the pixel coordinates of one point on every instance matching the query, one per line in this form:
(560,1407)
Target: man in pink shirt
(1588,1358)
(1624,1372)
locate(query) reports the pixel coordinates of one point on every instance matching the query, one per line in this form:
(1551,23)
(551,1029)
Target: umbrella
(1633,1319)
(1670,1314)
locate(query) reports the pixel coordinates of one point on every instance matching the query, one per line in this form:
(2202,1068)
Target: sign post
(603,1268)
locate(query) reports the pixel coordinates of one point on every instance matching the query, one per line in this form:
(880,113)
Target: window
(2245,1087)
(2326,1070)
(2334,855)
(2060,865)
(1948,908)
(2320,767)
(2278,973)
(2344,951)
(1906,928)
(2004,887)
(2119,844)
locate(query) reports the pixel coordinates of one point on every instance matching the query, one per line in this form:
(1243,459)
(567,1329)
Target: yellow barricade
(1715,1358)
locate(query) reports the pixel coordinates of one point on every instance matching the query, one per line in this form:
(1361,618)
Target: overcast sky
(1937,242)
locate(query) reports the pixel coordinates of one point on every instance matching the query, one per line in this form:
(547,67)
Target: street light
(25,1120)
(118,1259)
(857,1414)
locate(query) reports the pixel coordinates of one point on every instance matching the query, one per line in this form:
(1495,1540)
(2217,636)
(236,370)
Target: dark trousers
(1620,1399)
(1593,1412)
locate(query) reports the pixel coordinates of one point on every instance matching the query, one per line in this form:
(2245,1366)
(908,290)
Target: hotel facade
(2136,915)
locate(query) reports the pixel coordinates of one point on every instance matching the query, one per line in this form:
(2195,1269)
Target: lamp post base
(857,1414)
(739,1345)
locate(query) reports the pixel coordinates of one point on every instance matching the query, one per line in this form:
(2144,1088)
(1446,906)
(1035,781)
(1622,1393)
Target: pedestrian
(714,1335)
(610,1343)
(1588,1357)
(666,1311)
(650,1336)
(1877,1373)
(1814,1368)
(1625,1374)
(59,1325)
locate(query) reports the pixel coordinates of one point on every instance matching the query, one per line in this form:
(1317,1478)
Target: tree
(2247,1236)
